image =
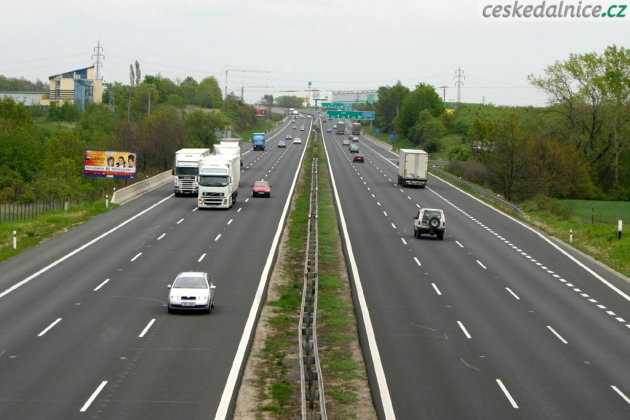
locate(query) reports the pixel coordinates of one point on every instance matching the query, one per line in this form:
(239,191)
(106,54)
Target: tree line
(154,117)
(576,147)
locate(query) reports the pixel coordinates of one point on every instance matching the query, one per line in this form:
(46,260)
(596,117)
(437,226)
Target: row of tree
(154,117)
(577,147)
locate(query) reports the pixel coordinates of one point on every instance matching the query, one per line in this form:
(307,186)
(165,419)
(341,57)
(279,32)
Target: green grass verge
(32,232)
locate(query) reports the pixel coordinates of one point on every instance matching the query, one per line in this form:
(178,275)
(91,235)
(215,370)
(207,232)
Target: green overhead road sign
(333,105)
(351,115)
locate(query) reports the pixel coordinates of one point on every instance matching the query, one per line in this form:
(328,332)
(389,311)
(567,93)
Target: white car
(297,140)
(191,290)
(302,128)
(429,222)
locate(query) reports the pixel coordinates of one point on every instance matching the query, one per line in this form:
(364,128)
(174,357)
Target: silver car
(191,290)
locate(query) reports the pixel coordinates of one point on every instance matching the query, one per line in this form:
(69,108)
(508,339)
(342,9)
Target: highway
(496,321)
(85,330)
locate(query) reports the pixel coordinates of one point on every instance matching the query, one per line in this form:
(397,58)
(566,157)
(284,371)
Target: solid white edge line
(231,381)
(101,285)
(621,394)
(65,257)
(93,397)
(463,329)
(436,289)
(557,335)
(507,394)
(49,327)
(146,328)
(381,380)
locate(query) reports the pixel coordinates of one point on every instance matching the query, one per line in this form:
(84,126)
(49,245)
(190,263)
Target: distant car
(289,137)
(282,143)
(346,142)
(191,290)
(355,138)
(328,130)
(302,128)
(261,189)
(295,127)
(334,125)
(354,148)
(302,116)
(325,121)
(297,140)
(358,158)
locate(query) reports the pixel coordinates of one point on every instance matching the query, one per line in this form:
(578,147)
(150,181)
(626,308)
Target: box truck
(186,170)
(340,128)
(356,129)
(258,141)
(413,168)
(219,178)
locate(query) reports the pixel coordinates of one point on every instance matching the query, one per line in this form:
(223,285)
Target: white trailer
(413,168)
(186,170)
(219,178)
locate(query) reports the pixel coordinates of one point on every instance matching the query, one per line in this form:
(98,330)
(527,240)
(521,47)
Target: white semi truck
(413,168)
(219,178)
(229,146)
(186,170)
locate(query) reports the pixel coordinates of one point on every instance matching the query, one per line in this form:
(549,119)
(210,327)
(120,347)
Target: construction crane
(254,86)
(242,71)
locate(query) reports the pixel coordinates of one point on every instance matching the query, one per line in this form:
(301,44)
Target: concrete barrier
(132,191)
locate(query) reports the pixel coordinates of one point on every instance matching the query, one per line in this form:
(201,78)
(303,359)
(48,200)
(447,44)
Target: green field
(600,212)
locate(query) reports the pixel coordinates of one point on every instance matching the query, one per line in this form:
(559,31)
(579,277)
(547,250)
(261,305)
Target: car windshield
(213,181)
(260,184)
(190,283)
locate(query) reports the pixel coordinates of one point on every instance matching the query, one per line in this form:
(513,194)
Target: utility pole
(242,71)
(444,94)
(484,100)
(98,56)
(459,75)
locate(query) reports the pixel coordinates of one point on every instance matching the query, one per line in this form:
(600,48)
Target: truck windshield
(186,170)
(213,181)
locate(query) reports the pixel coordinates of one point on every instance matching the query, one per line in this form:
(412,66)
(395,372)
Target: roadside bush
(541,202)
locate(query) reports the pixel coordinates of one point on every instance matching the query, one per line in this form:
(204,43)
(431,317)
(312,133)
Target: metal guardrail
(312,384)
(480,191)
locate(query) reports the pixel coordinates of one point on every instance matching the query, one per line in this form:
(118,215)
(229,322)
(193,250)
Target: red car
(261,189)
(358,158)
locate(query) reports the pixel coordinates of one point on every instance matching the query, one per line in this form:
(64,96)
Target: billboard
(110,164)
(260,112)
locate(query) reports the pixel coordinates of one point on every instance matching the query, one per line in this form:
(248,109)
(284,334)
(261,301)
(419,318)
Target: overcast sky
(336,45)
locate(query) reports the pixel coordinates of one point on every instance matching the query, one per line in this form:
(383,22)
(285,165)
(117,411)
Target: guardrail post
(14,239)
(570,235)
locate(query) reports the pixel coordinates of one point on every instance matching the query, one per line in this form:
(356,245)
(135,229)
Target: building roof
(70,74)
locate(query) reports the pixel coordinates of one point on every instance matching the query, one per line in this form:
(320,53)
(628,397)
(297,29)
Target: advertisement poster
(110,164)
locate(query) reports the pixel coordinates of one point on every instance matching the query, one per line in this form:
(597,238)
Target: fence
(25,211)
